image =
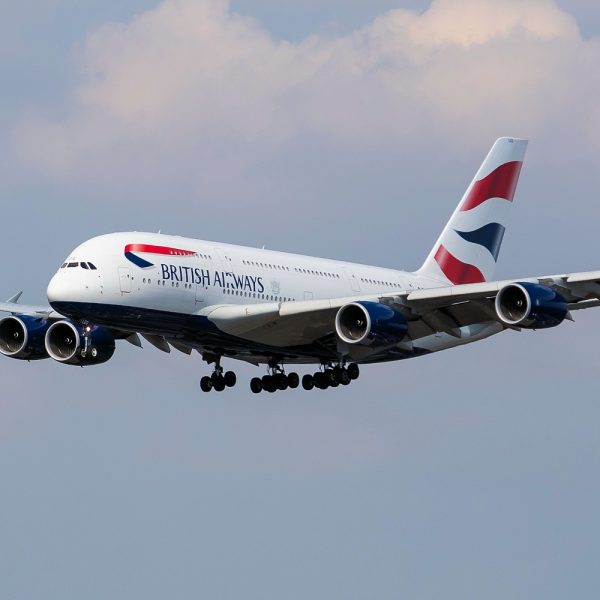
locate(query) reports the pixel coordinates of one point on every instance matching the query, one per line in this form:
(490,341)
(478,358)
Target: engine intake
(370,323)
(66,343)
(531,306)
(22,337)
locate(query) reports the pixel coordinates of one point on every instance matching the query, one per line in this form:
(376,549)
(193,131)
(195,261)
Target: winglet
(14,299)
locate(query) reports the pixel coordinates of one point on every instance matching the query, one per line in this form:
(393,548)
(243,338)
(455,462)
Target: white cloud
(191,82)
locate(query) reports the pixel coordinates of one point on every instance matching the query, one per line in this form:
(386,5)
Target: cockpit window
(92,266)
(63,265)
(70,265)
(84,265)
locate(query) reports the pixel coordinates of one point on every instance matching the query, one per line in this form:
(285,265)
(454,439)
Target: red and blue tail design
(468,248)
(132,251)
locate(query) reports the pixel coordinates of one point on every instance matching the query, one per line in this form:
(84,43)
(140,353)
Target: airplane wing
(444,309)
(12,306)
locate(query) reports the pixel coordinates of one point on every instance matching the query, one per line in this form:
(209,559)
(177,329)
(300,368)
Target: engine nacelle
(23,336)
(66,343)
(370,323)
(531,306)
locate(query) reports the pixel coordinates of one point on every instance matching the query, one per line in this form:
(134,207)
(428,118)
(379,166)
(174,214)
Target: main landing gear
(275,380)
(331,376)
(219,380)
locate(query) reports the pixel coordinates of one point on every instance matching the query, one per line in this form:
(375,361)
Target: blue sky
(348,132)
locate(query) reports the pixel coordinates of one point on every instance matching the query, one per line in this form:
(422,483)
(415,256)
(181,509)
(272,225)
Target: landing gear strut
(219,380)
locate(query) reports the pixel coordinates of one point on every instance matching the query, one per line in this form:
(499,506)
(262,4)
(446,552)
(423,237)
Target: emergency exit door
(125,280)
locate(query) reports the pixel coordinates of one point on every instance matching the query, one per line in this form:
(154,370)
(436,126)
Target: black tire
(338,373)
(268,384)
(281,382)
(256,385)
(353,371)
(206,384)
(321,380)
(308,383)
(345,378)
(230,379)
(293,380)
(331,377)
(219,384)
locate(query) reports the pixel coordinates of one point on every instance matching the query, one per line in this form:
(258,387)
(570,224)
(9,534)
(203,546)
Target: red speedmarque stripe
(157,250)
(455,270)
(500,183)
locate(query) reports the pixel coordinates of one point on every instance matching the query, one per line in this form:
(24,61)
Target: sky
(347,129)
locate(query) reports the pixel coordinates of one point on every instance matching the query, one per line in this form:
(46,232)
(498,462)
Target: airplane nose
(55,289)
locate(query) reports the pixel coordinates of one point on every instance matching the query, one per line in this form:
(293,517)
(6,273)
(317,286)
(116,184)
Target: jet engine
(22,337)
(370,323)
(531,306)
(73,344)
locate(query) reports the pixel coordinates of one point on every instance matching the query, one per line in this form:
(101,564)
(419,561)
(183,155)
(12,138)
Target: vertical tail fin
(468,248)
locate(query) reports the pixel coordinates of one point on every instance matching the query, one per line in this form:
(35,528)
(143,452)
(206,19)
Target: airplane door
(226,259)
(353,280)
(124,280)
(200,293)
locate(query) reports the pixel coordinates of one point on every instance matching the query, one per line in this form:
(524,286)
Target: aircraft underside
(198,333)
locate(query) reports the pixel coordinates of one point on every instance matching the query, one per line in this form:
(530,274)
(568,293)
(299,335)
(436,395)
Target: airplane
(277,309)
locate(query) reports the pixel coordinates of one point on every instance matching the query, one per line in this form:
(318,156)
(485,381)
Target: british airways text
(219,278)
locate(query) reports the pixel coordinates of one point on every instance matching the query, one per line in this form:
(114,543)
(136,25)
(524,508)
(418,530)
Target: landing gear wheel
(206,384)
(308,383)
(281,382)
(345,377)
(219,384)
(338,373)
(230,379)
(268,384)
(353,371)
(321,380)
(293,380)
(256,385)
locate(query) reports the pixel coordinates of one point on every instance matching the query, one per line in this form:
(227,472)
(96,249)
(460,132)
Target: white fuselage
(185,276)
